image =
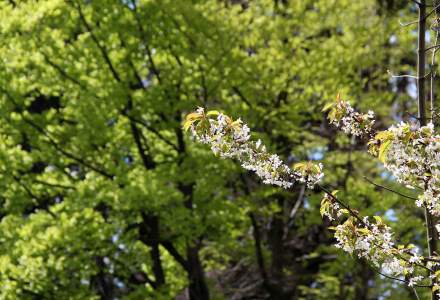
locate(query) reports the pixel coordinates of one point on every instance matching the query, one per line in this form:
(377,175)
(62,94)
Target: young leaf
(384,147)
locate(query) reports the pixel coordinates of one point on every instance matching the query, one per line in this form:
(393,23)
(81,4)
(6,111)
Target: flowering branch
(367,239)
(410,153)
(371,241)
(231,139)
(350,121)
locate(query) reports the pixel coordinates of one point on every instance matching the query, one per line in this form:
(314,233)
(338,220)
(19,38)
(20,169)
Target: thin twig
(432,47)
(432,11)
(56,185)
(352,212)
(298,202)
(388,189)
(415,293)
(407,76)
(398,279)
(407,24)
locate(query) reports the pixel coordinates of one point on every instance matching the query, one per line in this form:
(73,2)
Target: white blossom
(410,152)
(351,121)
(415,280)
(373,241)
(415,259)
(393,266)
(231,139)
(413,159)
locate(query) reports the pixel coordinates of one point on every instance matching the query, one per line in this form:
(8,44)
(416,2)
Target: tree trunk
(198,289)
(149,235)
(421,53)
(363,275)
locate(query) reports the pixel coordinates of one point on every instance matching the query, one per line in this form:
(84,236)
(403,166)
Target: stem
(421,63)
(434,52)
(389,189)
(430,232)
(352,212)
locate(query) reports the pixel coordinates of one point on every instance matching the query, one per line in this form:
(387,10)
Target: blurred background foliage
(102,196)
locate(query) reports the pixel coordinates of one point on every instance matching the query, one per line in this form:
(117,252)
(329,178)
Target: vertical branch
(433,75)
(432,67)
(430,231)
(421,63)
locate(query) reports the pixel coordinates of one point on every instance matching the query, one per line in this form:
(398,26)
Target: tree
(103,197)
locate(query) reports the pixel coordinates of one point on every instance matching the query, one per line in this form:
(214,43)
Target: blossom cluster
(331,208)
(231,139)
(372,240)
(345,117)
(412,156)
(410,153)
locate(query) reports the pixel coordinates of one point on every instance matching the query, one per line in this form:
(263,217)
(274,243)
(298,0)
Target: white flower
(354,122)
(200,110)
(393,266)
(415,259)
(414,280)
(258,144)
(232,140)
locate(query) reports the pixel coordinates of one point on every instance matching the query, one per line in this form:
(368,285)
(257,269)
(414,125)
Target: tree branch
(430,230)
(95,39)
(174,253)
(389,189)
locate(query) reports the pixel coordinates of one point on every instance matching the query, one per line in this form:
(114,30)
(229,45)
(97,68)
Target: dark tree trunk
(363,276)
(198,289)
(102,281)
(275,240)
(278,286)
(273,281)
(149,235)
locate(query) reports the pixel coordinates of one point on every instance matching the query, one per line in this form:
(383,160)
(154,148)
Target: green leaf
(364,230)
(327,106)
(384,135)
(213,113)
(378,219)
(325,205)
(383,149)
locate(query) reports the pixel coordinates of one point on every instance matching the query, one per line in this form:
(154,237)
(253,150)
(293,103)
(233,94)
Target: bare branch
(55,185)
(408,23)
(389,189)
(397,279)
(407,76)
(258,250)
